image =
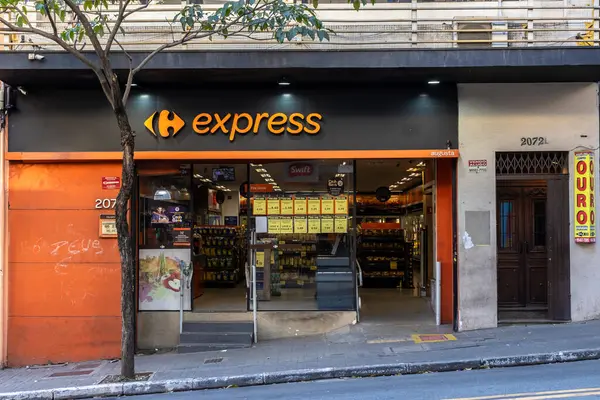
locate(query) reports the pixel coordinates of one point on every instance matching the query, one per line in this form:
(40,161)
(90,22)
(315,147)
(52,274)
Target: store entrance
(334,235)
(395,241)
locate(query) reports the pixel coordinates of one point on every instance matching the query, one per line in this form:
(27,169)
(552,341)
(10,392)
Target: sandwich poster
(161,281)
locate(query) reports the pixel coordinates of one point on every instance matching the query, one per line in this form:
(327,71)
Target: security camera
(22,90)
(35,57)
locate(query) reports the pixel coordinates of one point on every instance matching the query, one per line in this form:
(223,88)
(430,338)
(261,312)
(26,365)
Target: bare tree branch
(121,16)
(87,26)
(50,18)
(57,40)
(198,34)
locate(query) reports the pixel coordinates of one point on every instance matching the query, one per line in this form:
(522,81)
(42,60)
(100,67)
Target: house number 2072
(105,203)
(533,141)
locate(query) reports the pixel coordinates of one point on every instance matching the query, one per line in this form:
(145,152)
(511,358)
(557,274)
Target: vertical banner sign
(585,206)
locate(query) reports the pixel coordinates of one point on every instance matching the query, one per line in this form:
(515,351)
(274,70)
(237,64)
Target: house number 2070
(533,141)
(105,203)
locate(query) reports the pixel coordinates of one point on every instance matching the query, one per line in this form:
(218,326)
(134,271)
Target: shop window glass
(165,223)
(301,215)
(507,221)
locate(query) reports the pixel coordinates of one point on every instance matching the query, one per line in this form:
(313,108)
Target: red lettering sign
(111,182)
(300,169)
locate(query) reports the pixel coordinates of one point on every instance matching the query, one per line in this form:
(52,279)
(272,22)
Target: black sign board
(335,186)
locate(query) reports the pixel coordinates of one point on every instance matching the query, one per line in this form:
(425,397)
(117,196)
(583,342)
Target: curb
(268,378)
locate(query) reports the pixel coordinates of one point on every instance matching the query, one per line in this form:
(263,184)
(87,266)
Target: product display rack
(385,257)
(223,248)
(291,269)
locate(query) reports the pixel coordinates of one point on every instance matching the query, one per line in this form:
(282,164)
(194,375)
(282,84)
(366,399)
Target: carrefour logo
(169,124)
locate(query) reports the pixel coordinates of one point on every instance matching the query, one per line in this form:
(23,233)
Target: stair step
(216,337)
(219,327)
(205,347)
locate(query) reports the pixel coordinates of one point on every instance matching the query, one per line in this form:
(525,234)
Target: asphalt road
(580,380)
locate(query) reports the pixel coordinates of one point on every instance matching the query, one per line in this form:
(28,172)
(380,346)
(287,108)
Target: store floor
(290,299)
(221,299)
(399,307)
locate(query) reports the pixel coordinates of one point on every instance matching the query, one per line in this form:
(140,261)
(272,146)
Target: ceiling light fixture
(433,82)
(284,82)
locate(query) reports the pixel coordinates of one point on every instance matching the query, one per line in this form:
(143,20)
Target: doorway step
(202,336)
(523,315)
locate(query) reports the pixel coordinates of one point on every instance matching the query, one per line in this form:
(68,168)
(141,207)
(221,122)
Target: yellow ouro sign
(170,124)
(585,207)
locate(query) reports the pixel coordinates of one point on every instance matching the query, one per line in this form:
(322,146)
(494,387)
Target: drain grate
(71,373)
(213,360)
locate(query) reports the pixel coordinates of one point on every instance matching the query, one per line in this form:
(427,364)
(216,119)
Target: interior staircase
(201,336)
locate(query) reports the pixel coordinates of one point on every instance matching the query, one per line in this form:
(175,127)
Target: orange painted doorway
(445,235)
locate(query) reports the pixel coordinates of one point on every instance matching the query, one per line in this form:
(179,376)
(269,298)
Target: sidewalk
(361,350)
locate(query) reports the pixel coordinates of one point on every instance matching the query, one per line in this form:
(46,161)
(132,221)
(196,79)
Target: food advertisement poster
(161,281)
(585,207)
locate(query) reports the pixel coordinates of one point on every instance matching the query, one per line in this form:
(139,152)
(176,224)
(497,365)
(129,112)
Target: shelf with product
(384,255)
(290,268)
(222,251)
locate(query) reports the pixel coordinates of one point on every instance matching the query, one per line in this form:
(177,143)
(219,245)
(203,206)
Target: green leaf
(356,4)
(24,10)
(321,35)
(190,22)
(315,3)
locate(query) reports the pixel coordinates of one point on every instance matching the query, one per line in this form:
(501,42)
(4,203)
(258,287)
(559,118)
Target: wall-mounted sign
(477,166)
(111,182)
(335,186)
(168,123)
(182,237)
(108,226)
(301,172)
(585,207)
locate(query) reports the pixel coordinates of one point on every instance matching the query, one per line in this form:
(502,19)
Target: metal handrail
(413,24)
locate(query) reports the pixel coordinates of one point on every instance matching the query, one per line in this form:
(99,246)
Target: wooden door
(559,276)
(522,245)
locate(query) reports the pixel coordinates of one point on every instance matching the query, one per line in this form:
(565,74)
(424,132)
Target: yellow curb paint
(432,338)
(554,394)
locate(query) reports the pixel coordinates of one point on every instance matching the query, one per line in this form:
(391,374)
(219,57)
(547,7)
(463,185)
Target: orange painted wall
(63,280)
(445,237)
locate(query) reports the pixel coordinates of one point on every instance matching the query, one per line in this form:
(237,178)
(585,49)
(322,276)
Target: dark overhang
(549,64)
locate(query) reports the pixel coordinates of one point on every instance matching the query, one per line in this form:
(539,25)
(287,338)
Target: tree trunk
(125,245)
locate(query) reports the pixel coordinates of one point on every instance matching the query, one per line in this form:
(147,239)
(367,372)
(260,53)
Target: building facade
(487,153)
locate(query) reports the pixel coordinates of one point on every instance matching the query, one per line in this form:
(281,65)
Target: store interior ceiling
(397,174)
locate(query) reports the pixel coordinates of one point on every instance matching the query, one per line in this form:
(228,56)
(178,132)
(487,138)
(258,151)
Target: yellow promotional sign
(341,225)
(273,225)
(327,225)
(260,259)
(300,206)
(314,205)
(259,206)
(300,225)
(314,225)
(327,206)
(585,207)
(341,205)
(287,207)
(274,206)
(286,225)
